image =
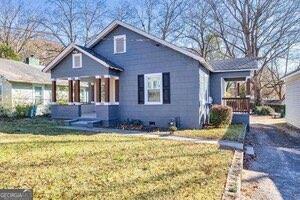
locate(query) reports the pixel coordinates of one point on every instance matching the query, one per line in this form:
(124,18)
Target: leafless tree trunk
(263,29)
(93,13)
(163,18)
(17,24)
(170,24)
(203,41)
(72,21)
(147,14)
(61,20)
(124,12)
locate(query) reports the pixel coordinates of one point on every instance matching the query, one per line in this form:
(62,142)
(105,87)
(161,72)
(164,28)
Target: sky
(110,3)
(294,52)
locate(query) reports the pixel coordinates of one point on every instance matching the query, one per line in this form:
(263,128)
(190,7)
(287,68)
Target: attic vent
(120,44)
(77,60)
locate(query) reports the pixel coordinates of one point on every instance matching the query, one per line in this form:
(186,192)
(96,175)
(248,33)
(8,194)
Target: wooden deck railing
(241,105)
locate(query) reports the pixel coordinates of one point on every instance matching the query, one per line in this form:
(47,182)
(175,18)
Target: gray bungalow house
(134,75)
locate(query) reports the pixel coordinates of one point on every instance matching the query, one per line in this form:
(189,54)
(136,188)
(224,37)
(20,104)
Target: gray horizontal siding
(144,56)
(65,111)
(89,68)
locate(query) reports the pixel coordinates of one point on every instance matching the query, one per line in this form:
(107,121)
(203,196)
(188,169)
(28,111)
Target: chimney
(31,60)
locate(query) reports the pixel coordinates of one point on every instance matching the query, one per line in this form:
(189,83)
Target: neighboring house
(292,82)
(134,75)
(24,84)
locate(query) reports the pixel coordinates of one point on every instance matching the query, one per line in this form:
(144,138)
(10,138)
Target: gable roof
(116,23)
(235,64)
(21,72)
(98,58)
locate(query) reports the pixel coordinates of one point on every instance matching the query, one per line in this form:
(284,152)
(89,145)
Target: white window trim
(43,93)
(146,89)
(115,43)
(73,60)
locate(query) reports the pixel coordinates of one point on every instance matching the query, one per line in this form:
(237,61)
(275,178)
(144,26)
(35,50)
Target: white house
(21,83)
(292,81)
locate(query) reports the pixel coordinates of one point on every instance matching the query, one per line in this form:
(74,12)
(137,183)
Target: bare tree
(61,19)
(203,41)
(93,13)
(124,12)
(72,21)
(17,24)
(163,18)
(147,14)
(170,23)
(263,29)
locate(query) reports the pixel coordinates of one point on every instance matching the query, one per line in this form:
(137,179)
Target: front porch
(102,103)
(236,93)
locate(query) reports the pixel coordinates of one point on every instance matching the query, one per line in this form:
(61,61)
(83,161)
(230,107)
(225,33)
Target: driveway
(274,172)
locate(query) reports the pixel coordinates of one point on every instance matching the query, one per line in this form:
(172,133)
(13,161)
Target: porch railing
(237,104)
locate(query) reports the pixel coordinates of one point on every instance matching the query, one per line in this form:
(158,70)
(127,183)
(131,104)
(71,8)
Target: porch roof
(98,58)
(235,64)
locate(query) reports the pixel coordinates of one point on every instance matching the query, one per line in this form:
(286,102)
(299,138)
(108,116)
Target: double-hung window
(77,60)
(38,95)
(119,44)
(153,88)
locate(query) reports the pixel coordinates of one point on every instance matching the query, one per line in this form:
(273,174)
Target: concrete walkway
(161,135)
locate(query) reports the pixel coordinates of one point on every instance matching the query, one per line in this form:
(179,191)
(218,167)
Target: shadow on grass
(37,126)
(53,142)
(233,132)
(230,133)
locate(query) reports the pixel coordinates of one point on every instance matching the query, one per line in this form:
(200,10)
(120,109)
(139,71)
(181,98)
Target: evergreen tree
(7,52)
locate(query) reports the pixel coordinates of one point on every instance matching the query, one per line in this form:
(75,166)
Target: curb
(234,178)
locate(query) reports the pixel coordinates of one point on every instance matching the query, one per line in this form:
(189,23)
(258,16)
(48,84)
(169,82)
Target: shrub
(23,110)
(279,109)
(263,110)
(4,112)
(134,124)
(220,115)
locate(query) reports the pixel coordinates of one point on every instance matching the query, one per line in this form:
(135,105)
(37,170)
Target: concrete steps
(84,122)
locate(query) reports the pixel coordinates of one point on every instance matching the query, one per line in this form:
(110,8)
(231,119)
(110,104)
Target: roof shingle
(20,72)
(234,64)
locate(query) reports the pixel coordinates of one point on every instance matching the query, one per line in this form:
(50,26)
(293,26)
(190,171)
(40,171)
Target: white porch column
(114,90)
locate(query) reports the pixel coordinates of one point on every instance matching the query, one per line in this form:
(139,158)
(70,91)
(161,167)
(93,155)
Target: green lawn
(61,164)
(230,133)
